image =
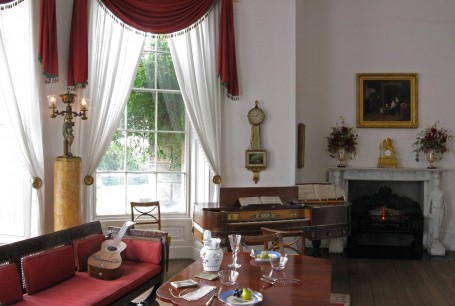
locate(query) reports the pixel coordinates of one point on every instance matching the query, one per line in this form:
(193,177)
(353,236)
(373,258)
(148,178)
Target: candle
(84,103)
(52,100)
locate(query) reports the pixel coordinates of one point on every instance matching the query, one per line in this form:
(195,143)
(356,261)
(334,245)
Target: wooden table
(314,289)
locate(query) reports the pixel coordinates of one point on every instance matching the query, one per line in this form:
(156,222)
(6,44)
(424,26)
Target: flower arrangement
(432,139)
(342,136)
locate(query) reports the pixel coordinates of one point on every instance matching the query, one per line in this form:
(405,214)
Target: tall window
(146,158)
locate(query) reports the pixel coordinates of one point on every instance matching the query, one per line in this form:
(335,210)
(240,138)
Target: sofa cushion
(45,269)
(146,251)
(83,290)
(85,247)
(10,285)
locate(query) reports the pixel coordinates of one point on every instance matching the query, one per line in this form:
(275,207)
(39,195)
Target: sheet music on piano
(246,201)
(319,192)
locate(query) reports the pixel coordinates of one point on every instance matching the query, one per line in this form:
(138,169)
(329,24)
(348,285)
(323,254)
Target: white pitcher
(211,253)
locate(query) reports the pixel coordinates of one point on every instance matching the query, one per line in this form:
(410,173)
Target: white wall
(265,42)
(337,39)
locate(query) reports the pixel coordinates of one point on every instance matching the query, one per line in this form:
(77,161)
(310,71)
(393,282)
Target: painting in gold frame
(387,100)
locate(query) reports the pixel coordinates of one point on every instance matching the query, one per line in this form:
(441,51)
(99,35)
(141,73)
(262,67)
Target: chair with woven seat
(295,236)
(148,213)
(272,241)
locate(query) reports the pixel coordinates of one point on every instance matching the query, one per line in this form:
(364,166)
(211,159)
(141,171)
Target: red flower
(432,139)
(344,137)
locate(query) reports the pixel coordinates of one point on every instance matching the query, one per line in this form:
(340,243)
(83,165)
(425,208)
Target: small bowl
(278,263)
(228,277)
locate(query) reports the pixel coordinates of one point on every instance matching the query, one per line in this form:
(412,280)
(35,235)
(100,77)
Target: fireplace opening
(386,225)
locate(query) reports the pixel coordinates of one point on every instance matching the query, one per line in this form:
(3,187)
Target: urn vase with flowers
(342,141)
(432,142)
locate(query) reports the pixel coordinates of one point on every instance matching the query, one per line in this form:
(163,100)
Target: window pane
(141,111)
(114,159)
(166,73)
(141,153)
(110,194)
(149,44)
(171,192)
(161,42)
(170,151)
(171,112)
(122,123)
(141,187)
(145,77)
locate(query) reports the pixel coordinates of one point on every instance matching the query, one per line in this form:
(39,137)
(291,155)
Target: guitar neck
(123,230)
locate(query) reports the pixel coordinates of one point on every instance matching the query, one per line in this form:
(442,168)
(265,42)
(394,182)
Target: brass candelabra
(68,124)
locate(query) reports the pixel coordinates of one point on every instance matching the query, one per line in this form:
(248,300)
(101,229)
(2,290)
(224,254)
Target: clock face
(388,153)
(256,116)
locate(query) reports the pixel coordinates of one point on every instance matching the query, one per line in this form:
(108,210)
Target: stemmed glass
(234,241)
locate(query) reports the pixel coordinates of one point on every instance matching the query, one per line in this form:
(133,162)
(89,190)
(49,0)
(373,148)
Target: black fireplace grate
(385,225)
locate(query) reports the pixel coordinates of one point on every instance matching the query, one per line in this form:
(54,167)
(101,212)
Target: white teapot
(211,253)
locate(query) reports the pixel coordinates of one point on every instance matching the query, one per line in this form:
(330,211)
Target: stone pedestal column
(67,190)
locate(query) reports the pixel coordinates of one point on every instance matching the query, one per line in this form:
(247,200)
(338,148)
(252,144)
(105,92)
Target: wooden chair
(272,241)
(144,213)
(295,235)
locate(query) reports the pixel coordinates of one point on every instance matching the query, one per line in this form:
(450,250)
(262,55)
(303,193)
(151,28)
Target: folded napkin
(198,293)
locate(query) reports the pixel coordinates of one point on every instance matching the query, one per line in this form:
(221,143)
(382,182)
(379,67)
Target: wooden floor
(430,281)
(376,282)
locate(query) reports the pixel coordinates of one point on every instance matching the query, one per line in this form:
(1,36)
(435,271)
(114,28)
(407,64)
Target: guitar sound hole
(112,248)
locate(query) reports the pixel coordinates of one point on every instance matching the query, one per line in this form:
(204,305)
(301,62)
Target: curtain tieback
(88,180)
(37,182)
(216,179)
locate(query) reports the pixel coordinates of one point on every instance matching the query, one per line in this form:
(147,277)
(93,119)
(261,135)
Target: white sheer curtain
(20,91)
(195,60)
(114,52)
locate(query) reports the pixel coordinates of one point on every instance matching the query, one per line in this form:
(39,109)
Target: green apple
(246,294)
(264,255)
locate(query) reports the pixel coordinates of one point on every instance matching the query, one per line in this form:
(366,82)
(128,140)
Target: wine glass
(234,242)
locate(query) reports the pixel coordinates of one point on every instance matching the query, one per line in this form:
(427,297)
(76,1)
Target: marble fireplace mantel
(340,177)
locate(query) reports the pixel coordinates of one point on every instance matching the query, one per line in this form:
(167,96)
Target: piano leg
(316,248)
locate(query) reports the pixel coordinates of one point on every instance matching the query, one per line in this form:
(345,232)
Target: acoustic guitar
(106,263)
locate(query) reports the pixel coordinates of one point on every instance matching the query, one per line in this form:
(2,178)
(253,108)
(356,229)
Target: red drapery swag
(159,16)
(78,55)
(165,17)
(48,49)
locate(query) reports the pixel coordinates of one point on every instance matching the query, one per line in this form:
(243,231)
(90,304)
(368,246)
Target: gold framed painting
(387,100)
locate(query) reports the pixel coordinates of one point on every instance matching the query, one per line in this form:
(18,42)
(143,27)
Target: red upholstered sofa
(52,269)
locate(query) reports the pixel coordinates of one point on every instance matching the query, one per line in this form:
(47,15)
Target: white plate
(229,298)
(272,254)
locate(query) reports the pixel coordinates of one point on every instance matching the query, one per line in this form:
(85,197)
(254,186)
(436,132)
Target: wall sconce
(67,129)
